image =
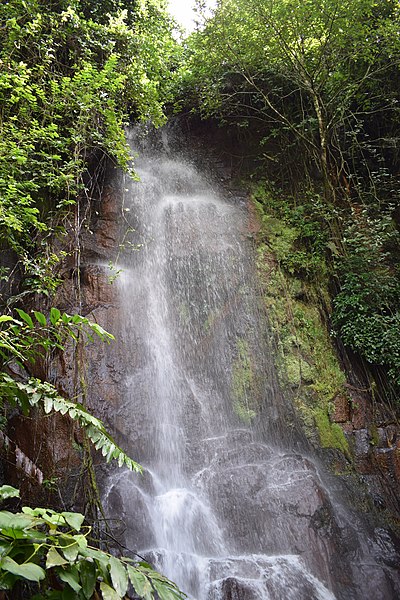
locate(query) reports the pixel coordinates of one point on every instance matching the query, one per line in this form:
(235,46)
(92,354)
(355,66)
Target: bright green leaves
(74,520)
(25,317)
(28,570)
(140,582)
(73,77)
(88,573)
(119,576)
(38,393)
(7,491)
(27,338)
(38,546)
(54,559)
(54,315)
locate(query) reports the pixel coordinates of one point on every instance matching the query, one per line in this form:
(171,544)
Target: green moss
(306,360)
(280,236)
(244,383)
(298,371)
(330,434)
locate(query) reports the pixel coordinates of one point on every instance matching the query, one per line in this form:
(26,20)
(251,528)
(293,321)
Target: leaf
(25,317)
(165,592)
(5,517)
(108,593)
(81,541)
(48,404)
(88,577)
(70,576)
(54,559)
(73,519)
(67,594)
(101,560)
(54,520)
(102,333)
(4,318)
(69,547)
(7,491)
(41,319)
(140,583)
(55,315)
(119,576)
(15,521)
(26,571)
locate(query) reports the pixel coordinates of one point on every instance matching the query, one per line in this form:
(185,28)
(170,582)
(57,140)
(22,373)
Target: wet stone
(362,442)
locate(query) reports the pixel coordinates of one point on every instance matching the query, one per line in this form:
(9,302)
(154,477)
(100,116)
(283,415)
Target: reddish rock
(96,286)
(47,441)
(361,411)
(347,428)
(383,459)
(253,223)
(342,409)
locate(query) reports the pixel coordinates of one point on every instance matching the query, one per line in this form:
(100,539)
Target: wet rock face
(275,502)
(268,578)
(53,442)
(232,589)
(374,440)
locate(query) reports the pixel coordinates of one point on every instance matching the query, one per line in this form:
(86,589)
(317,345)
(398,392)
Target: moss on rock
(293,294)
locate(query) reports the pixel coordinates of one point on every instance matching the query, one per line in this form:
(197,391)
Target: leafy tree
(295,68)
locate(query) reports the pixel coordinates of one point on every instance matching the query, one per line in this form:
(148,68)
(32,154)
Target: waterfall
(224,507)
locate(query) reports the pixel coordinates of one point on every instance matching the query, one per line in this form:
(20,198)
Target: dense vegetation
(72,75)
(316,86)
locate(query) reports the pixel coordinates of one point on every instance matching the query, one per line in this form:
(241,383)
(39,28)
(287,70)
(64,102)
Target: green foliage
(71,78)
(50,552)
(316,84)
(26,338)
(367,308)
(307,362)
(36,393)
(292,70)
(296,229)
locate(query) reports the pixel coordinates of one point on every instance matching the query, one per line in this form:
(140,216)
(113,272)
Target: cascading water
(221,508)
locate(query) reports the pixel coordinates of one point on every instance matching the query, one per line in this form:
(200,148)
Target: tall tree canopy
(306,70)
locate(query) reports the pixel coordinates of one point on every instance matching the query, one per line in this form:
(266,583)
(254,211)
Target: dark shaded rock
(232,589)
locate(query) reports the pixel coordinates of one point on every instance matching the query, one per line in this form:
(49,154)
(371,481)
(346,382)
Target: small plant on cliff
(23,340)
(48,552)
